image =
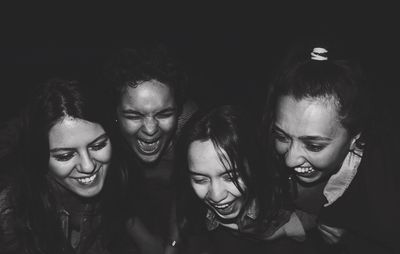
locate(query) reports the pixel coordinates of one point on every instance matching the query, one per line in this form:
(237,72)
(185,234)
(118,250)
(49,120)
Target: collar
(250,214)
(339,182)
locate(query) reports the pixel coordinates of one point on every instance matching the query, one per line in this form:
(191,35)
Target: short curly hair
(133,66)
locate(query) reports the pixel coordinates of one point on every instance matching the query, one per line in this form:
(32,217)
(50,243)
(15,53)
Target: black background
(229,51)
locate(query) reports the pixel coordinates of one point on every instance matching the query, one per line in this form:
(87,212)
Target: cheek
(104,155)
(200,190)
(281,147)
(60,169)
(231,188)
(167,125)
(325,160)
(129,127)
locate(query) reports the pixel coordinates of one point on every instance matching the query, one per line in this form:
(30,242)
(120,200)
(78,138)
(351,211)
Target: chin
(310,180)
(89,193)
(149,159)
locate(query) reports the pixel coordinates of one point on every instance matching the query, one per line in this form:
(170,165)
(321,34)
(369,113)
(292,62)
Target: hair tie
(319,54)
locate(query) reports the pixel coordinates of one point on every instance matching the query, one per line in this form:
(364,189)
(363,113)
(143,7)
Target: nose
(150,126)
(86,164)
(294,156)
(216,192)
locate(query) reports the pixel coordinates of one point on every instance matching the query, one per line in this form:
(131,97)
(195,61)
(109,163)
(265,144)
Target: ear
(354,141)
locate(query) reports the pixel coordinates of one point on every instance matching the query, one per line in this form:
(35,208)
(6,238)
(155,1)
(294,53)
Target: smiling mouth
(305,171)
(223,208)
(148,147)
(87,180)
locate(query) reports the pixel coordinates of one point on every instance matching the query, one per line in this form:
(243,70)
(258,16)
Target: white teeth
(221,206)
(87,180)
(304,170)
(148,147)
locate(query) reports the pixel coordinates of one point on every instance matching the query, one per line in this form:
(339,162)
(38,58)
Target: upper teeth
(87,180)
(148,147)
(221,206)
(304,169)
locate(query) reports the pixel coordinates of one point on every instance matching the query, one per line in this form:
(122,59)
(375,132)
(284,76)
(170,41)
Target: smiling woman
(64,194)
(226,193)
(342,171)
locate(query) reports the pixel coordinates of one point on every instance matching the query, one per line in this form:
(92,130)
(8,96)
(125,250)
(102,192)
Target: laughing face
(80,154)
(147,117)
(310,138)
(212,182)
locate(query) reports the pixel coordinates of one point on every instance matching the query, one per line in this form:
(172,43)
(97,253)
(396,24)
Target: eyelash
(314,148)
(138,117)
(199,181)
(99,146)
(68,156)
(280,137)
(63,157)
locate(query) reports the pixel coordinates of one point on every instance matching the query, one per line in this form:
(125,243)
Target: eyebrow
(57,149)
(131,111)
(224,173)
(303,138)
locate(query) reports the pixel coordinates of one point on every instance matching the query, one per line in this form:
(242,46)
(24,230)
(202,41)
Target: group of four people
(140,169)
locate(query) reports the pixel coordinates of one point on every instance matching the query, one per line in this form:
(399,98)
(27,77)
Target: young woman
(341,170)
(226,192)
(150,109)
(62,190)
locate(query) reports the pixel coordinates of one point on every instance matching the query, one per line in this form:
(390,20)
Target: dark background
(230,52)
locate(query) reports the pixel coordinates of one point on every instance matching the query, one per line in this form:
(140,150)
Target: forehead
(149,94)
(308,116)
(73,132)
(203,158)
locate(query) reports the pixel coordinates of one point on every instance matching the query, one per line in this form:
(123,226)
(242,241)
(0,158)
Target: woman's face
(211,181)
(147,118)
(309,137)
(80,154)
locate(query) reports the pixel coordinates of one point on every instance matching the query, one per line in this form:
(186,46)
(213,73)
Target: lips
(88,180)
(305,171)
(148,147)
(223,209)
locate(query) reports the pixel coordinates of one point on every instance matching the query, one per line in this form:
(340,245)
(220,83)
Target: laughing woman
(228,202)
(341,167)
(60,191)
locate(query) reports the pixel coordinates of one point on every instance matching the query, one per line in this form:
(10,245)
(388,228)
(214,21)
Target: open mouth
(305,171)
(87,180)
(148,147)
(223,209)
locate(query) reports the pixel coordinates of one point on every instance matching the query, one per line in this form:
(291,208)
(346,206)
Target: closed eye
(99,146)
(280,136)
(63,156)
(314,147)
(132,117)
(199,180)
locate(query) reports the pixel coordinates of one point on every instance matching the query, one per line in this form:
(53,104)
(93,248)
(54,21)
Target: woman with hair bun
(340,167)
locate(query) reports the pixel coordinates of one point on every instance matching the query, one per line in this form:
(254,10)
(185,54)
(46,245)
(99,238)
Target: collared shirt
(339,182)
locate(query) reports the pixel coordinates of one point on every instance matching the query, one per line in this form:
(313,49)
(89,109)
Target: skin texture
(80,154)
(147,117)
(310,138)
(211,182)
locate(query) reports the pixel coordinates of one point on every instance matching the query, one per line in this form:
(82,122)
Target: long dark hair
(37,221)
(230,130)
